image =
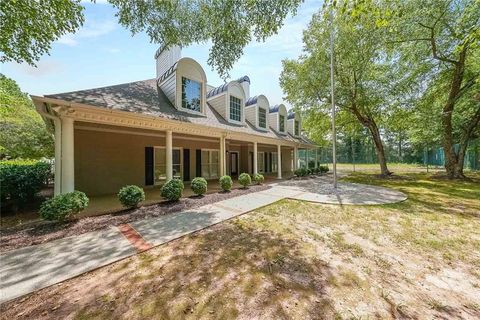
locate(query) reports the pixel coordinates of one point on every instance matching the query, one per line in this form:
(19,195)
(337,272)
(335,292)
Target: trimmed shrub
(244,179)
(172,190)
(301,172)
(199,186)
(226,183)
(324,169)
(63,206)
(22,179)
(258,178)
(131,196)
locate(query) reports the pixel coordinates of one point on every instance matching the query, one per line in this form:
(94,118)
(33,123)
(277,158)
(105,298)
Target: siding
(273,120)
(251,114)
(218,103)
(168,87)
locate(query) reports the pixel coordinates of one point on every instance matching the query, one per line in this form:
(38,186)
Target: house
(174,126)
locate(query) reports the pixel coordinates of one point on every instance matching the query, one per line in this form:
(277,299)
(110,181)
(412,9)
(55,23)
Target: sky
(103,53)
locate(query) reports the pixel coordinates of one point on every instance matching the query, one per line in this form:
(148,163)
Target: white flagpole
(332,88)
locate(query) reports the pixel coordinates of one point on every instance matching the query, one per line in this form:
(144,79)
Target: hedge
(172,190)
(22,179)
(131,196)
(63,206)
(199,186)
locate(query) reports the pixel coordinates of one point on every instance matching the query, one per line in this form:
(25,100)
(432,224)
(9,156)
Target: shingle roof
(146,98)
(217,90)
(291,115)
(251,100)
(274,108)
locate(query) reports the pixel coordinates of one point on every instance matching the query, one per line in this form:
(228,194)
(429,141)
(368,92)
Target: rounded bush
(172,190)
(226,183)
(199,186)
(258,178)
(324,169)
(63,206)
(301,172)
(244,179)
(131,196)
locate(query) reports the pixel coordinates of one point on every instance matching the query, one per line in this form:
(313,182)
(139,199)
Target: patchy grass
(298,260)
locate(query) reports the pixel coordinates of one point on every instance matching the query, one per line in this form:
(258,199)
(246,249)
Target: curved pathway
(31,268)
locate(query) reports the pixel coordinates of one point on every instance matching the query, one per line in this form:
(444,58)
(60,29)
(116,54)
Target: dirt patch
(42,232)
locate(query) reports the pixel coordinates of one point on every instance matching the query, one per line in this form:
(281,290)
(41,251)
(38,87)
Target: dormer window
(297,128)
(235,109)
(262,118)
(281,125)
(191,95)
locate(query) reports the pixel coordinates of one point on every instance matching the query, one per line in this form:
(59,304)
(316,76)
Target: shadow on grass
(218,273)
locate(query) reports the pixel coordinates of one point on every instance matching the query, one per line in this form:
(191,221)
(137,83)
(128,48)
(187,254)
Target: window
(274,161)
(261,162)
(282,123)
(235,109)
(160,161)
(210,164)
(191,94)
(297,128)
(262,118)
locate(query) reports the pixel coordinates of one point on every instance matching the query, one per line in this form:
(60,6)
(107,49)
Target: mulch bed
(25,236)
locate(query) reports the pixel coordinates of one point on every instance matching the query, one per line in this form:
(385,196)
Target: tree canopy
(22,131)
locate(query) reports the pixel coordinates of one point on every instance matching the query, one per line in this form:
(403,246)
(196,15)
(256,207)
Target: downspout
(57,187)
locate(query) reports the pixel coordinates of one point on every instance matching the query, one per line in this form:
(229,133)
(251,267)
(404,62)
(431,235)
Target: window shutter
(198,162)
(186,164)
(149,166)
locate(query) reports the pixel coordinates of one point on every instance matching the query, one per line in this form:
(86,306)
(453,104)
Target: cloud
(91,29)
(43,68)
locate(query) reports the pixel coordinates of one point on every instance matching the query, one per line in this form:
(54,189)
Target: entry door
(233,163)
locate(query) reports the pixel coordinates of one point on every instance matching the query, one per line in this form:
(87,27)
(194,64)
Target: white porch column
(222,156)
(279,161)
(255,162)
(57,188)
(169,155)
(67,145)
(295,158)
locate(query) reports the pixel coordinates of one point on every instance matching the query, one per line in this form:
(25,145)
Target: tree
(439,42)
(363,72)
(22,130)
(28,27)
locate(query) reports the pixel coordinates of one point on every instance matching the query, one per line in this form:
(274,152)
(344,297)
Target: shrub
(172,190)
(199,186)
(63,206)
(131,196)
(244,179)
(316,170)
(301,172)
(258,178)
(22,179)
(226,183)
(323,169)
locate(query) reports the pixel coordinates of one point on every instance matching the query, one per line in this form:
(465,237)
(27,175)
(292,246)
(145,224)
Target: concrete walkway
(31,268)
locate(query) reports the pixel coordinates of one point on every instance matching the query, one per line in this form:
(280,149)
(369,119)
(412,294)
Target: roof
(291,115)
(251,100)
(146,98)
(243,79)
(217,90)
(275,108)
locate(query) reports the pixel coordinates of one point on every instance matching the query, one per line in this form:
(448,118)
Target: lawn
(415,259)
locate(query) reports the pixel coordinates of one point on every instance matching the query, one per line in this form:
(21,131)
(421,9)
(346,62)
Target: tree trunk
(377,139)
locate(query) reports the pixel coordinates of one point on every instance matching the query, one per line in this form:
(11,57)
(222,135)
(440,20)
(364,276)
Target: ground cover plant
(416,259)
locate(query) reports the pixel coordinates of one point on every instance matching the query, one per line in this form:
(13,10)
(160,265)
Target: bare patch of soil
(42,232)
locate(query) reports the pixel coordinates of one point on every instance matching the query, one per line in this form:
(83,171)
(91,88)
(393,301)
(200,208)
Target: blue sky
(103,53)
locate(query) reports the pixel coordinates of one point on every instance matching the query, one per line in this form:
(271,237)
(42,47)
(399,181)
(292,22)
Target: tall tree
(28,27)
(22,130)
(439,42)
(363,72)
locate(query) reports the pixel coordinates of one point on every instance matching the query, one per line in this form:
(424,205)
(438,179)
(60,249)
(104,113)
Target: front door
(233,163)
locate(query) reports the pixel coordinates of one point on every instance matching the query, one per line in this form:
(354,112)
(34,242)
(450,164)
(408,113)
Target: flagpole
(332,89)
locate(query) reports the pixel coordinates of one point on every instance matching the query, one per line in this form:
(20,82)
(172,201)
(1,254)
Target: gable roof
(145,97)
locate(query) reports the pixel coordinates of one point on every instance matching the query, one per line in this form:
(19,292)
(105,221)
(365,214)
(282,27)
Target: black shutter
(148,166)
(186,164)
(265,162)
(198,162)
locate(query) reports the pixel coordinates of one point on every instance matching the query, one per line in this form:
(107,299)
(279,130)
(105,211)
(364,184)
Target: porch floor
(103,204)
